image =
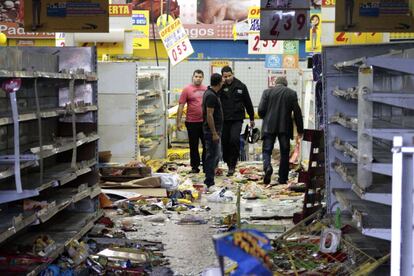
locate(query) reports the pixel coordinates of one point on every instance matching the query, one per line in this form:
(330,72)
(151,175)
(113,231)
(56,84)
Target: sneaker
(193,170)
(268,175)
(231,171)
(212,189)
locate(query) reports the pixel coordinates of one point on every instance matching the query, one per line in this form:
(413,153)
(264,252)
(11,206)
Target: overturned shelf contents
(61,230)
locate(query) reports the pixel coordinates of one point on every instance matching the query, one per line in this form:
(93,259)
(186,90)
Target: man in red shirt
(192,95)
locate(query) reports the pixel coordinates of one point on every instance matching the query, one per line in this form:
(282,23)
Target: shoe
(193,170)
(211,189)
(268,175)
(231,171)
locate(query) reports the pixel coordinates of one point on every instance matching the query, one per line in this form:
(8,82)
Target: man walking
(236,101)
(192,95)
(275,108)
(212,126)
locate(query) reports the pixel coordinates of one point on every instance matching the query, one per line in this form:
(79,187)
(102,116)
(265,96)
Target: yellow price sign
(343,38)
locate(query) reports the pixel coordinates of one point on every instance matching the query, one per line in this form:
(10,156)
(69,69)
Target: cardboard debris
(134,255)
(147,182)
(137,193)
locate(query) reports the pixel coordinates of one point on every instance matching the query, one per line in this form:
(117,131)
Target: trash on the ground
(222,195)
(213,271)
(168,180)
(253,191)
(191,219)
(131,254)
(157,218)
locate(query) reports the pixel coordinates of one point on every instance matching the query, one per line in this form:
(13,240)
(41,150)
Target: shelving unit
(139,113)
(57,123)
(369,92)
(151,112)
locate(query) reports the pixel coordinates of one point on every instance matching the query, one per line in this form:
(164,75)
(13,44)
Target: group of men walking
(215,116)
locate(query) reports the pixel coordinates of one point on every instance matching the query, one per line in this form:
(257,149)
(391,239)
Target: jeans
(268,145)
(195,134)
(230,141)
(212,158)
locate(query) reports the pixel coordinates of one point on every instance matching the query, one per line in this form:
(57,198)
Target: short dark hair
(215,79)
(226,69)
(198,71)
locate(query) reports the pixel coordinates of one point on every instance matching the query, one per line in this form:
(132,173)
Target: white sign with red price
(176,42)
(277,24)
(258,46)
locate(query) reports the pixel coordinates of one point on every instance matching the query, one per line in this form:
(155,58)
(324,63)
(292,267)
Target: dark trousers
(212,158)
(268,145)
(195,134)
(230,141)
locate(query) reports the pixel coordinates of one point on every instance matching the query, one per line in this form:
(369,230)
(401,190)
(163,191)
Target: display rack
(58,145)
(151,112)
(369,94)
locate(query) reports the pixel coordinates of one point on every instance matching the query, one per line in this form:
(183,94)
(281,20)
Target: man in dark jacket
(212,127)
(275,108)
(236,101)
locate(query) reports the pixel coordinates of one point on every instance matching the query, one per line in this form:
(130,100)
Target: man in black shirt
(236,101)
(212,126)
(276,107)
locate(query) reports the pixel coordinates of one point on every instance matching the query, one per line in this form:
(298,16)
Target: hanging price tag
(258,46)
(277,24)
(176,42)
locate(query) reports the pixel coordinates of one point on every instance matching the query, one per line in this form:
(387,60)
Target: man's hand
(252,124)
(216,138)
(298,137)
(179,125)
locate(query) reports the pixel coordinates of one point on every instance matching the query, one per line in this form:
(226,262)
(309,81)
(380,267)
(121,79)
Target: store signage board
(284,19)
(274,61)
(328,3)
(120,10)
(314,44)
(257,46)
(176,42)
(374,16)
(85,16)
(343,38)
(140,26)
(13,30)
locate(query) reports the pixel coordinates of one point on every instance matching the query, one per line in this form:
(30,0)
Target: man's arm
(210,122)
(262,110)
(179,116)
(247,101)
(297,113)
(182,101)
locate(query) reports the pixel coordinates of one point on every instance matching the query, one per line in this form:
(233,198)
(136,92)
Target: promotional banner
(249,249)
(314,45)
(216,65)
(256,45)
(343,38)
(140,26)
(273,75)
(120,10)
(66,16)
(284,19)
(205,19)
(371,16)
(176,42)
(12,22)
(328,3)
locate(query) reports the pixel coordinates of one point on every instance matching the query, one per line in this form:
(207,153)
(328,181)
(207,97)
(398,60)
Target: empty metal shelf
(371,218)
(399,99)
